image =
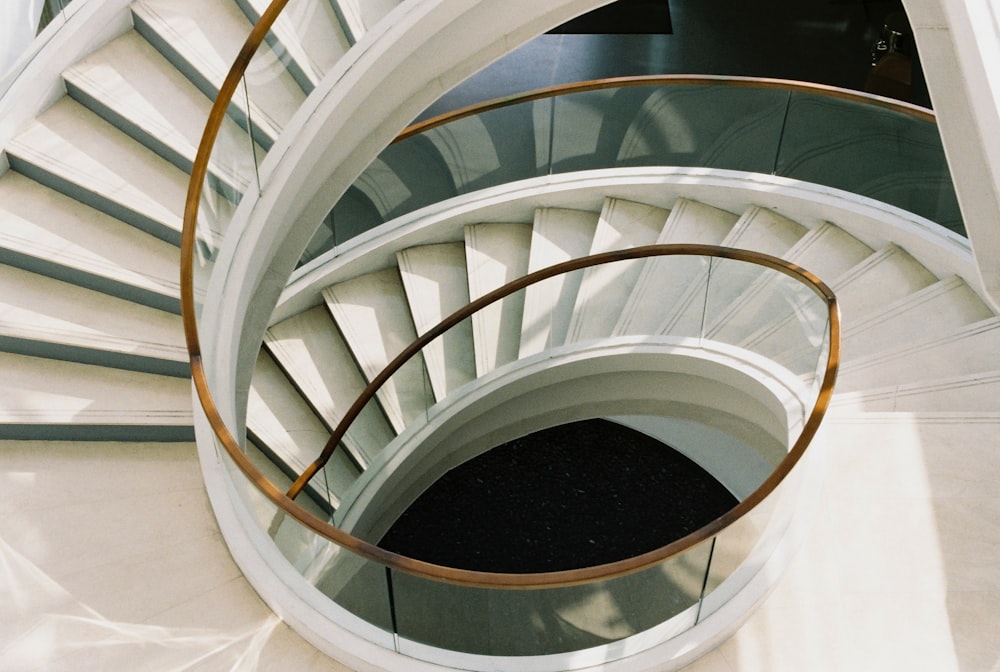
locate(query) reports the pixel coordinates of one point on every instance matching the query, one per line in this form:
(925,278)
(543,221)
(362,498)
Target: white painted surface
(437,284)
(604,290)
(311,350)
(372,314)
(496,254)
(557,235)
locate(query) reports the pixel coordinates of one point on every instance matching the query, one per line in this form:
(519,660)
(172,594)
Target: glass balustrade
(739,305)
(863,145)
(725,311)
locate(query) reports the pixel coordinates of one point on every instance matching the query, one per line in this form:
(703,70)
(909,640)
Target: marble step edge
(83,271)
(891,392)
(98,349)
(989,325)
(206,76)
(163,140)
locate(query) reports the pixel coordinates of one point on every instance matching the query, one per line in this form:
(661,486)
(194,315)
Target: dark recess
(576,495)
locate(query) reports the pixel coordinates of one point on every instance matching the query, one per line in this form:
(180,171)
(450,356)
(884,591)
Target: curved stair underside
(108,537)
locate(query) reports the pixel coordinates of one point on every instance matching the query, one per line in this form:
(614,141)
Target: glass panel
(669,298)
(537,622)
(879,153)
(742,549)
(356,584)
(766,312)
(686,125)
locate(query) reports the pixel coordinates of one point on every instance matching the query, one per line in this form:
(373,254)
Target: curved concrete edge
(873,222)
(412,56)
(37,82)
(366,648)
(728,389)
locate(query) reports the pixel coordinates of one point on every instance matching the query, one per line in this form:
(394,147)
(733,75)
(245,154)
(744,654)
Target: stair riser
(293,67)
(170,304)
(95,200)
(227,190)
(81,355)
(262,137)
(131,433)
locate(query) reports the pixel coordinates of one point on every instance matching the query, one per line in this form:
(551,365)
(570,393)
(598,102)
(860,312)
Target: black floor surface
(572,496)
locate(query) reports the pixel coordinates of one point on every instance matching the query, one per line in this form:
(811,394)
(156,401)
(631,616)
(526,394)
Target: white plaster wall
(959,46)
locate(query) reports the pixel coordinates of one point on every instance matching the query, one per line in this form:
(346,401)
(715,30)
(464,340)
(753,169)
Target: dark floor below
(572,496)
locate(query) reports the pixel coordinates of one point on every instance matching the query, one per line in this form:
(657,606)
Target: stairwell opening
(575,495)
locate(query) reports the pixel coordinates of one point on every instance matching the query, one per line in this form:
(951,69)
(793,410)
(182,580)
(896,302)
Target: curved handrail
(409,565)
(887,150)
(909,109)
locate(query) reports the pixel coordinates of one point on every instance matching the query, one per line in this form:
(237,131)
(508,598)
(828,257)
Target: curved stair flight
(94,367)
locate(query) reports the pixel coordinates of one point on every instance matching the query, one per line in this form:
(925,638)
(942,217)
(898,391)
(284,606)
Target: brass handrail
(447,574)
(909,109)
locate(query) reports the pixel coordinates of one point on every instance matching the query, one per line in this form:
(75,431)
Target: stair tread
(43,391)
(757,229)
(883,277)
(664,282)
(315,356)
(208,36)
(605,289)
(311,26)
(935,310)
(38,308)
(279,419)
(889,275)
(42,224)
(73,144)
(362,15)
(436,283)
(557,235)
(372,314)
(495,254)
(760,313)
(137,84)
(970,392)
(955,353)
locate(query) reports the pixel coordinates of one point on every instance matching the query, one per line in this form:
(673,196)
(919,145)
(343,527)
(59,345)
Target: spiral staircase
(111,556)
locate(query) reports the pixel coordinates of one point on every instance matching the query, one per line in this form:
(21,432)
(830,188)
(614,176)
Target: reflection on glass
(883,154)
(860,147)
(537,622)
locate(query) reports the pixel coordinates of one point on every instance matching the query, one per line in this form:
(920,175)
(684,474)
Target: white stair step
(46,232)
(762,311)
(70,149)
(975,392)
(495,254)
(313,353)
(665,282)
(362,15)
(372,314)
(311,32)
(957,353)
(558,235)
(280,421)
(436,282)
(881,278)
(945,306)
(312,499)
(202,39)
(43,317)
(46,399)
(757,229)
(605,289)
(131,85)
(885,276)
